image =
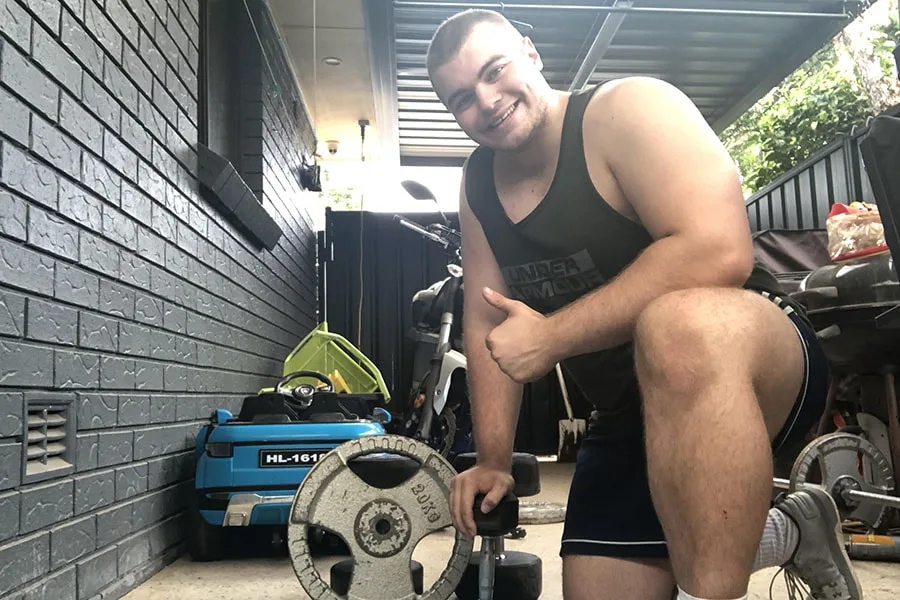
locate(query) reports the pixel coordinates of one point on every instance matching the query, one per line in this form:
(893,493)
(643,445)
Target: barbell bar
(716,12)
(849,495)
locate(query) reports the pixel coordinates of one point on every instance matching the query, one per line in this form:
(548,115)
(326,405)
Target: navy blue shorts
(610,512)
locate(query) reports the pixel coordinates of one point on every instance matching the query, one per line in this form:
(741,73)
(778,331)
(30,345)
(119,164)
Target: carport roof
(724,54)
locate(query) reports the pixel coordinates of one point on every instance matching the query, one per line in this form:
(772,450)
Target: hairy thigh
(689,335)
(608,578)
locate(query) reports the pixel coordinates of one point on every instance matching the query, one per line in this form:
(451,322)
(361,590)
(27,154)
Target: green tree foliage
(823,99)
(342,198)
(886,39)
(339,188)
(810,109)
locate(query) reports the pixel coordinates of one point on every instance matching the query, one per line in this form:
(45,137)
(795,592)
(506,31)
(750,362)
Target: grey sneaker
(820,560)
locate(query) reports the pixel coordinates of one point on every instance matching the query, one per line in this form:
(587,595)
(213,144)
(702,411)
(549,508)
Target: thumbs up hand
(522,346)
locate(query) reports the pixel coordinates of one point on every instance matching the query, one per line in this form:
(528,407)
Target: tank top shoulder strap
(571,152)
(481,194)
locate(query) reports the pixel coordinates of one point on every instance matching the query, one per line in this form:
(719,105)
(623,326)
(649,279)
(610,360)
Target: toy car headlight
(219,449)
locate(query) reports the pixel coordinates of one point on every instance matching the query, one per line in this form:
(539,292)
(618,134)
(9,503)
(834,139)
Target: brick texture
(121,286)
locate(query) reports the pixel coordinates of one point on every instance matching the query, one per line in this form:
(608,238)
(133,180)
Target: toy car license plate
(291,458)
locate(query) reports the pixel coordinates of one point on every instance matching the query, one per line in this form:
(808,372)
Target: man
(606,231)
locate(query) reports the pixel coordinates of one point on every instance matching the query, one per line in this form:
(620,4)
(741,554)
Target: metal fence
(802,197)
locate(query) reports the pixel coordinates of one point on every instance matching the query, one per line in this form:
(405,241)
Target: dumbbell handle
(486,568)
(492,527)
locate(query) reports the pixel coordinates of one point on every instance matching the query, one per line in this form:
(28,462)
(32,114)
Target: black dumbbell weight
(525,471)
(500,521)
(517,576)
(342,572)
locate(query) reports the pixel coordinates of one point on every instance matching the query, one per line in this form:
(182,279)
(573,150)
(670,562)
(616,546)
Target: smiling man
(606,230)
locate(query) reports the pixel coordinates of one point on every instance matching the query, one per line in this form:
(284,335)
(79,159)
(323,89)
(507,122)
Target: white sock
(683,595)
(779,540)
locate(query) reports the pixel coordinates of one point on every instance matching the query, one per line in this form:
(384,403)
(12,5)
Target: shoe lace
(796,589)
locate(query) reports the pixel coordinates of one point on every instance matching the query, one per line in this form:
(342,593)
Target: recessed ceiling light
(331,61)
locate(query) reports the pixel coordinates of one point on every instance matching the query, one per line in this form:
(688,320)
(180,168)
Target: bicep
(671,167)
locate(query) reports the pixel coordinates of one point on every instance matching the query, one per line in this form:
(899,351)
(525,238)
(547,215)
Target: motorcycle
(438,411)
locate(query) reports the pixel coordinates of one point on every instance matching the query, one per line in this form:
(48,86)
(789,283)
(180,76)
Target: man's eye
(495,72)
(462,103)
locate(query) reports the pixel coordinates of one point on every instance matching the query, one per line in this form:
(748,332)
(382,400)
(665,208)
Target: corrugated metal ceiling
(724,62)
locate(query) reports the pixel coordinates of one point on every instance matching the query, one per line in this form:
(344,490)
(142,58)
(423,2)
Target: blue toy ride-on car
(249,467)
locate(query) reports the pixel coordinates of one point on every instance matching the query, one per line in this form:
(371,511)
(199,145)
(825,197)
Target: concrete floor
(261,577)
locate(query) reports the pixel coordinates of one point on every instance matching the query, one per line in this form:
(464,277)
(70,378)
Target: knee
(681,340)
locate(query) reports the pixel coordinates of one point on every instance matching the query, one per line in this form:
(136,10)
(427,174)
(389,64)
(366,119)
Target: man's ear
(532,53)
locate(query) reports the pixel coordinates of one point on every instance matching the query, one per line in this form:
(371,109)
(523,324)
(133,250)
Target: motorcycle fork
(431,380)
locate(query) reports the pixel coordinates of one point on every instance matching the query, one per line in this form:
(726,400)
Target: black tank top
(570,244)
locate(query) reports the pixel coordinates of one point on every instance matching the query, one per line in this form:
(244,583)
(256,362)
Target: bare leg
(719,371)
(605,578)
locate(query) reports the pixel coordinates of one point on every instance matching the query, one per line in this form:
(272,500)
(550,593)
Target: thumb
(498,300)
(493,498)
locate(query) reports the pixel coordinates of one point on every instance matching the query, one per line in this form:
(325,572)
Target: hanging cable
(315,70)
(363,123)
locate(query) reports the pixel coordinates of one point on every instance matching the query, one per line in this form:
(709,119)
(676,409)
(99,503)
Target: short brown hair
(452,33)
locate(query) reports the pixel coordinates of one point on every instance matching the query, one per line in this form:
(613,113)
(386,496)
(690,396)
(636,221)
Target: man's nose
(487,97)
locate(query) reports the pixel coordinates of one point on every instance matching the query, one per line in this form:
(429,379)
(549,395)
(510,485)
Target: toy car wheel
(205,542)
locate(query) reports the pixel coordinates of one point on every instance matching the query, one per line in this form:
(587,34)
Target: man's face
(491,87)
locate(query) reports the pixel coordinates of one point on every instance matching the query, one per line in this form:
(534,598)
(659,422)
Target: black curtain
(396,263)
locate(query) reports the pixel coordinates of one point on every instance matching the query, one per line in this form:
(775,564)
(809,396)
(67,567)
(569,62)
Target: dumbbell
(495,572)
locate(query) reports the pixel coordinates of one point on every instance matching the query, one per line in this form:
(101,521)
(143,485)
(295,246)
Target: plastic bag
(855,230)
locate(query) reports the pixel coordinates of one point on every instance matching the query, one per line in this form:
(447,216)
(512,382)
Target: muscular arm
(494,397)
(685,189)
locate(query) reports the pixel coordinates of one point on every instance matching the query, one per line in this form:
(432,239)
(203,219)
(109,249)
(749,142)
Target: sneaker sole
(829,510)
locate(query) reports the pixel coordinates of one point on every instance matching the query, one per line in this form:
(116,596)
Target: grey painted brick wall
(286,134)
(123,293)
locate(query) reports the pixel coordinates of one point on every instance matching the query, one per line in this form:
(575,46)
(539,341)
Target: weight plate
(539,513)
(381,527)
(845,461)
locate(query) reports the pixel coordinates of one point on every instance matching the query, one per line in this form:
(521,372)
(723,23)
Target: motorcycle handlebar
(422,231)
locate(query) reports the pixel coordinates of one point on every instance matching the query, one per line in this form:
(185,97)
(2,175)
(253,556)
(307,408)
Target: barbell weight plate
(533,512)
(381,527)
(841,460)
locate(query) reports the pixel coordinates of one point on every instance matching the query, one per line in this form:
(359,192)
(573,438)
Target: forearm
(495,400)
(606,317)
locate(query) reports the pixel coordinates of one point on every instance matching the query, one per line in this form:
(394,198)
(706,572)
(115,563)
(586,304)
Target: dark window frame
(224,131)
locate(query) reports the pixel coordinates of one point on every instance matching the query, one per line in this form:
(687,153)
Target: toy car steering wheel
(303,393)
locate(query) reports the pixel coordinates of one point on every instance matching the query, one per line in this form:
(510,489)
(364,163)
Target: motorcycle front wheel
(443,427)
(448,430)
